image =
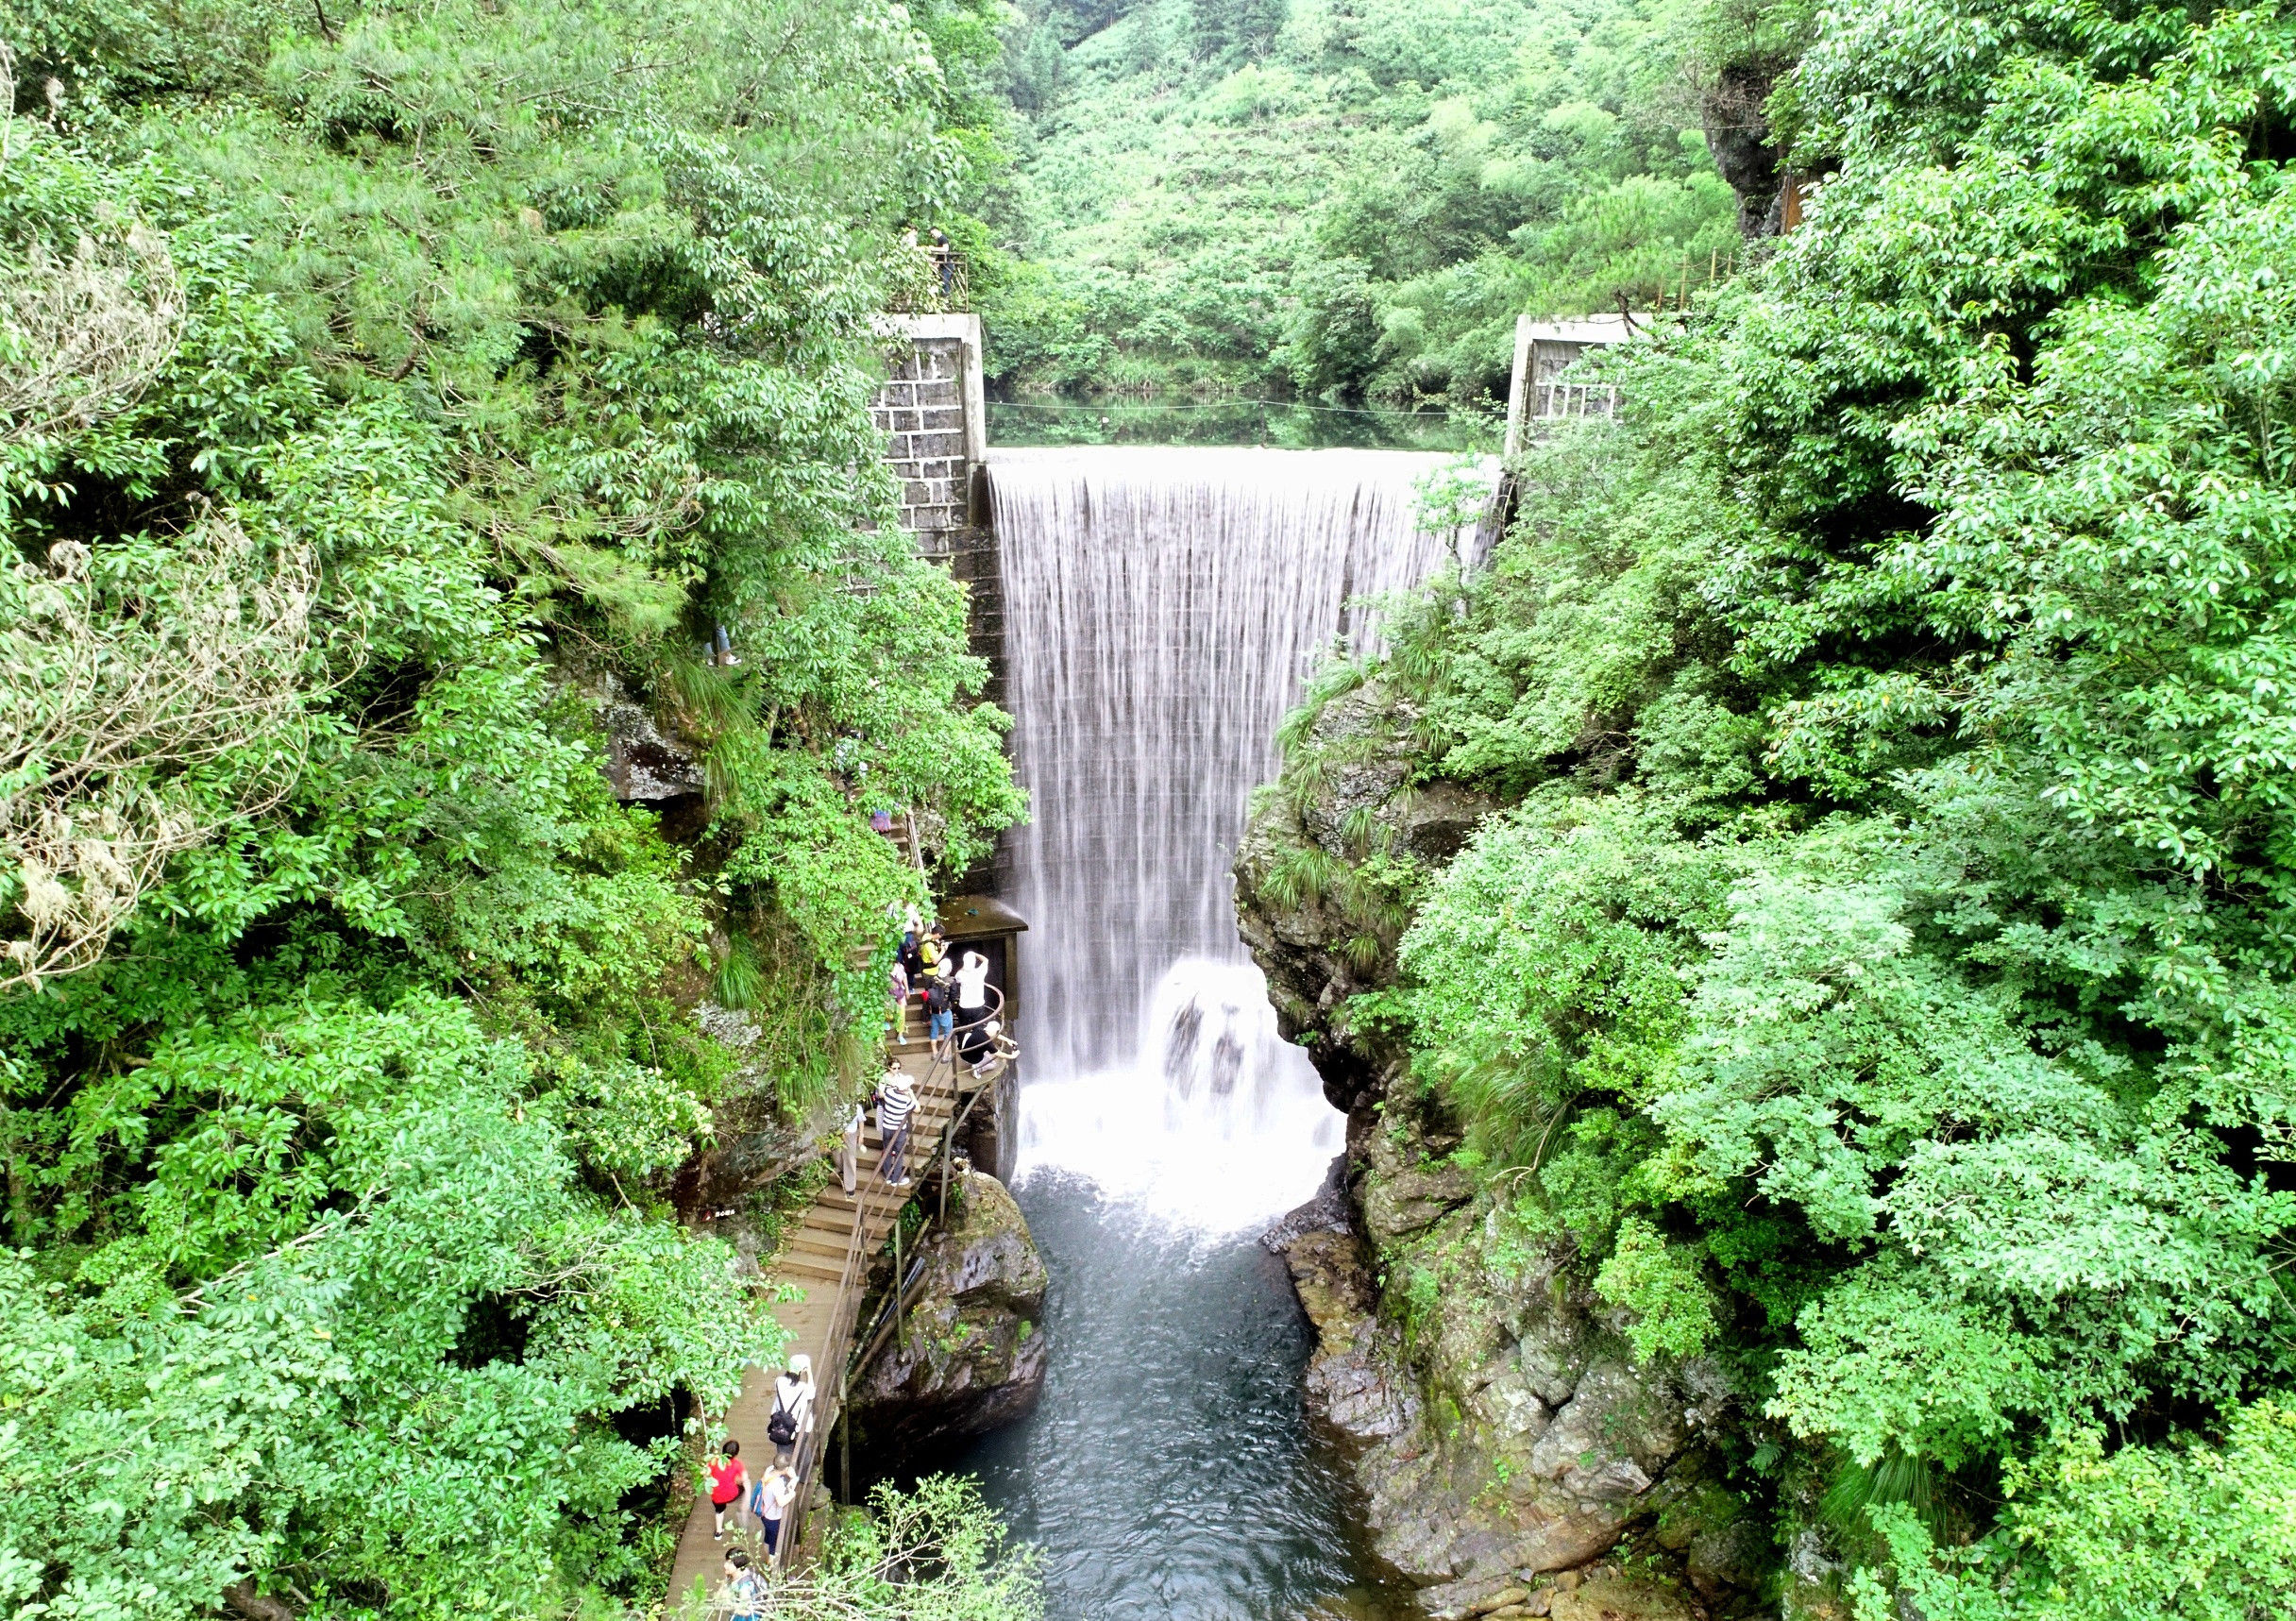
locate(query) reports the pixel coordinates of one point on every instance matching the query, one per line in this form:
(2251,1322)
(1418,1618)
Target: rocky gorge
(970,1353)
(1514,1457)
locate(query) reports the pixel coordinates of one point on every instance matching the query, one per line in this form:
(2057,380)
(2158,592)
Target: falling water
(1163,608)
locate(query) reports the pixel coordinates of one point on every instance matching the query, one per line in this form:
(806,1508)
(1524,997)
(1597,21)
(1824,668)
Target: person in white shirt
(781,1491)
(896,1101)
(793,1392)
(971,986)
(849,1152)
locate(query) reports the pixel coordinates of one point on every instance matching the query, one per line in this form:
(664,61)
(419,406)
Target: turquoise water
(1171,1469)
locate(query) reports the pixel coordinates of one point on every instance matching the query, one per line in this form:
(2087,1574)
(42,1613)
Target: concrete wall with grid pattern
(932,412)
(935,418)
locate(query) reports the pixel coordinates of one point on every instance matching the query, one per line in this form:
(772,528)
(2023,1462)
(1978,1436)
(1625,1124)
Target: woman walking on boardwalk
(896,1099)
(728,1480)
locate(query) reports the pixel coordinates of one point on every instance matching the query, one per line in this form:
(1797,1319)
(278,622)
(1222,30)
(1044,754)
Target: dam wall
(932,409)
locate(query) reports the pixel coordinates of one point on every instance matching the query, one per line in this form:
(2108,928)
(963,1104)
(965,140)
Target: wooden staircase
(815,1257)
(824,1259)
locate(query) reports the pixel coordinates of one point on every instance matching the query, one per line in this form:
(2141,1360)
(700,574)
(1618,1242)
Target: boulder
(1620,1599)
(971,1355)
(642,763)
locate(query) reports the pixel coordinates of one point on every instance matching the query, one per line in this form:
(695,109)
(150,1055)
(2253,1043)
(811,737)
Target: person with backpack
(744,1593)
(792,1404)
(940,1010)
(897,996)
(896,1099)
(728,1480)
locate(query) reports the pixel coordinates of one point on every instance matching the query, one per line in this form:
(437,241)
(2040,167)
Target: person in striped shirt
(896,1099)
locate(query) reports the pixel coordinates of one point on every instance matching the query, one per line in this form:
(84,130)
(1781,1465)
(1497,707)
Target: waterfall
(1162,609)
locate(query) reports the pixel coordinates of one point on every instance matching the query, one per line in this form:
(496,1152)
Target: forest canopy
(1341,198)
(389,391)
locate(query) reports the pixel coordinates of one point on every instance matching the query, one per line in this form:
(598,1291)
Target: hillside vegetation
(1882,985)
(380,389)
(1341,198)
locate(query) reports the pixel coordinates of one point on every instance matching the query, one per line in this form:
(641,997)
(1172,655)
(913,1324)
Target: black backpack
(781,1429)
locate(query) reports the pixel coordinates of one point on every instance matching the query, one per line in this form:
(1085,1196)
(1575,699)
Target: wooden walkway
(821,1323)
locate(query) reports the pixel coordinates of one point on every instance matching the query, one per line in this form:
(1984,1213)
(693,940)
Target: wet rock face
(1302,949)
(972,1355)
(643,764)
(1507,1440)
(754,1144)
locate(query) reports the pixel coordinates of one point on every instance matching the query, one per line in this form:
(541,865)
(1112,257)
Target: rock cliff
(1514,1457)
(971,1353)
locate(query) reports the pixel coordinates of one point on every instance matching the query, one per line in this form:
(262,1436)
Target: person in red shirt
(729,1485)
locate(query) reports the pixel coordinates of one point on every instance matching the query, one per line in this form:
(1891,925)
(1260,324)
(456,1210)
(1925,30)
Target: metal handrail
(1559,401)
(837,1353)
(833,1355)
(888,1314)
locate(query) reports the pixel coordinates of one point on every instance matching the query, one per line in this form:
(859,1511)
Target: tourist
(896,1099)
(911,957)
(781,1491)
(940,1010)
(972,984)
(978,1043)
(849,1152)
(896,994)
(792,1403)
(729,1480)
(744,1594)
(880,821)
(946,258)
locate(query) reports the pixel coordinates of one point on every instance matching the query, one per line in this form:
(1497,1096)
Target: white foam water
(1219,1127)
(1162,609)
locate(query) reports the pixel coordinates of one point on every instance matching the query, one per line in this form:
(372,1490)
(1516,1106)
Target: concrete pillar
(933,414)
(1518,384)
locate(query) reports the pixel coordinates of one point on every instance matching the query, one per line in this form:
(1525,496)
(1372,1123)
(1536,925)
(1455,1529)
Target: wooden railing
(853,1275)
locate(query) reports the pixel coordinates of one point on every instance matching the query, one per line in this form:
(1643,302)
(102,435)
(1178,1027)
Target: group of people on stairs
(954,997)
(767,1498)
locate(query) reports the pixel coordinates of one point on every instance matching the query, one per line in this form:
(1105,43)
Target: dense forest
(1881,982)
(1342,198)
(1876,978)
(381,389)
